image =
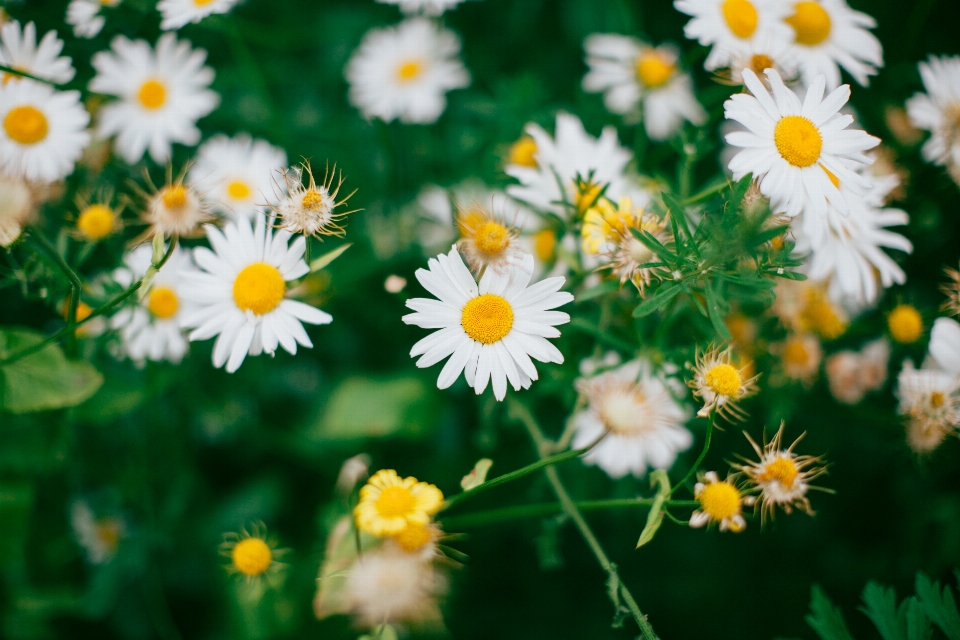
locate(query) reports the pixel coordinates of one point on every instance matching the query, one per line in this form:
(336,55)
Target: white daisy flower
(938,110)
(852,374)
(162,93)
(404,72)
(151,329)
(18,204)
(236,174)
(641,82)
(84,16)
(389,585)
(241,293)
(19,50)
(788,144)
(762,53)
(829,33)
(178,13)
(426,7)
(726,25)
(637,410)
(310,208)
(490,330)
(945,345)
(930,400)
(44,131)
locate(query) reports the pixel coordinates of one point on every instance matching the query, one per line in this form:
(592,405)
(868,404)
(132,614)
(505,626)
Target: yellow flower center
(741,17)
(487,318)
(26,125)
(622,411)
(834,179)
(201,3)
(238,190)
(108,532)
(905,324)
(413,537)
(936,399)
(312,200)
(760,62)
(820,316)
(163,302)
(720,500)
(152,94)
(795,353)
(545,244)
(810,22)
(783,470)
(259,288)
(653,70)
(96,222)
(251,556)
(724,379)
(174,197)
(409,70)
(523,152)
(395,502)
(798,140)
(491,237)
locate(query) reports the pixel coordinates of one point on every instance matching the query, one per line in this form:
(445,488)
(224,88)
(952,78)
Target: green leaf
(716,313)
(659,300)
(881,608)
(917,623)
(654,245)
(329,257)
(825,619)
(939,605)
(791,275)
(740,190)
(655,517)
(678,214)
(43,380)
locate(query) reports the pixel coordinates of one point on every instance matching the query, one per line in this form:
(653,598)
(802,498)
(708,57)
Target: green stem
(703,454)
(37,239)
(23,74)
(542,509)
(706,193)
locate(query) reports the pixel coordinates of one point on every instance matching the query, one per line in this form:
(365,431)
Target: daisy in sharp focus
(789,144)
(728,25)
(637,411)
(426,7)
(236,174)
(178,13)
(641,82)
(720,384)
(162,93)
(489,331)
(404,72)
(240,293)
(19,50)
(310,208)
(84,16)
(938,110)
(389,503)
(721,502)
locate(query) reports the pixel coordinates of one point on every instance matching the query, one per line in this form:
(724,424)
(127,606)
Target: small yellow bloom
(96,222)
(251,554)
(389,503)
(905,324)
(720,502)
(487,240)
(720,384)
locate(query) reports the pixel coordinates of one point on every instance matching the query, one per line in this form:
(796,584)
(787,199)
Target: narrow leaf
(329,257)
(659,300)
(655,517)
(917,623)
(716,313)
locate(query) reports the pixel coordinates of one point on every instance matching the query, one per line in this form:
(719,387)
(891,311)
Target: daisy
(404,72)
(938,110)
(720,384)
(310,209)
(388,585)
(389,503)
(800,357)
(851,374)
(637,411)
(930,401)
(18,205)
(727,25)
(19,50)
(488,240)
(252,554)
(490,330)
(426,7)
(789,144)
(84,16)
(235,174)
(177,13)
(945,345)
(829,33)
(438,229)
(44,131)
(162,93)
(721,502)
(99,537)
(241,293)
(805,306)
(641,82)
(151,329)
(174,209)
(762,53)
(98,219)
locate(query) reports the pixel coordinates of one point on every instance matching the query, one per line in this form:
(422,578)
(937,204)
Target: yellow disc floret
(163,302)
(409,70)
(487,318)
(26,125)
(524,152)
(96,222)
(724,379)
(760,62)
(312,200)
(719,500)
(491,237)
(810,22)
(152,94)
(259,288)
(238,190)
(782,470)
(174,196)
(798,140)
(905,324)
(251,556)
(741,16)
(653,70)
(414,537)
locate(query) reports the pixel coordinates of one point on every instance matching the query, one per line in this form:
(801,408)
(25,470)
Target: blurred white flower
(175,210)
(930,400)
(800,357)
(765,52)
(938,110)
(404,72)
(19,50)
(177,13)
(99,537)
(945,345)
(728,25)
(17,207)
(853,374)
(426,7)
(390,585)
(84,16)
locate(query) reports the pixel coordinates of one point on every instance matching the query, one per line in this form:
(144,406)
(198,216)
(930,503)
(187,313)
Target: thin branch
(703,454)
(541,509)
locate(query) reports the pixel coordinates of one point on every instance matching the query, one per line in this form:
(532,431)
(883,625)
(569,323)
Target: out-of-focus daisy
(98,218)
(84,16)
(151,329)
(636,409)
(419,539)
(310,208)
(805,306)
(426,7)
(252,554)
(945,345)
(177,13)
(388,503)
(162,93)
(19,50)
(800,357)
(240,295)
(44,131)
(938,110)
(905,324)
(388,585)
(487,240)
(404,72)
(720,384)
(438,229)
(18,204)
(762,53)
(489,331)
(641,82)
(853,374)
(829,33)
(789,144)
(930,402)
(952,291)
(728,25)
(236,174)
(175,209)
(99,537)
(721,502)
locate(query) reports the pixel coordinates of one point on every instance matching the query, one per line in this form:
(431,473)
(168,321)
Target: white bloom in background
(99,537)
(644,421)
(175,209)
(177,13)
(236,174)
(800,356)
(438,228)
(17,206)
(491,330)
(945,345)
(19,50)
(310,207)
(426,7)
(853,374)
(240,295)
(641,82)
(727,25)
(789,144)
(162,93)
(404,72)
(44,131)
(762,53)
(84,16)
(938,110)
(151,329)
(829,33)
(388,585)
(930,400)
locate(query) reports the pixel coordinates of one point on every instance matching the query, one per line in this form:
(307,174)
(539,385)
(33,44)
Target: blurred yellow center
(810,22)
(395,502)
(163,302)
(724,379)
(152,94)
(26,125)
(238,190)
(413,537)
(108,533)
(586,196)
(201,3)
(833,178)
(820,316)
(409,70)
(96,222)
(905,324)
(936,399)
(545,244)
(653,70)
(491,237)
(251,556)
(781,470)
(259,288)
(487,318)
(83,311)
(175,196)
(760,62)
(741,17)
(720,500)
(523,152)
(798,140)
(795,353)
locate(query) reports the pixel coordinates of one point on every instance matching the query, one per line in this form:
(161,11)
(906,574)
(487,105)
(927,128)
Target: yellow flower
(720,384)
(487,240)
(96,222)
(251,554)
(388,503)
(905,324)
(721,502)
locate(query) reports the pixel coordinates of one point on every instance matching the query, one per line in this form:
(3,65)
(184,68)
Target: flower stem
(703,454)
(540,509)
(42,245)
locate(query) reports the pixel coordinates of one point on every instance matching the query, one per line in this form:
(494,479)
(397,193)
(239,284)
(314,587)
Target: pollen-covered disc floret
(252,555)
(721,502)
(720,384)
(491,330)
(487,240)
(389,503)
(175,209)
(310,208)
